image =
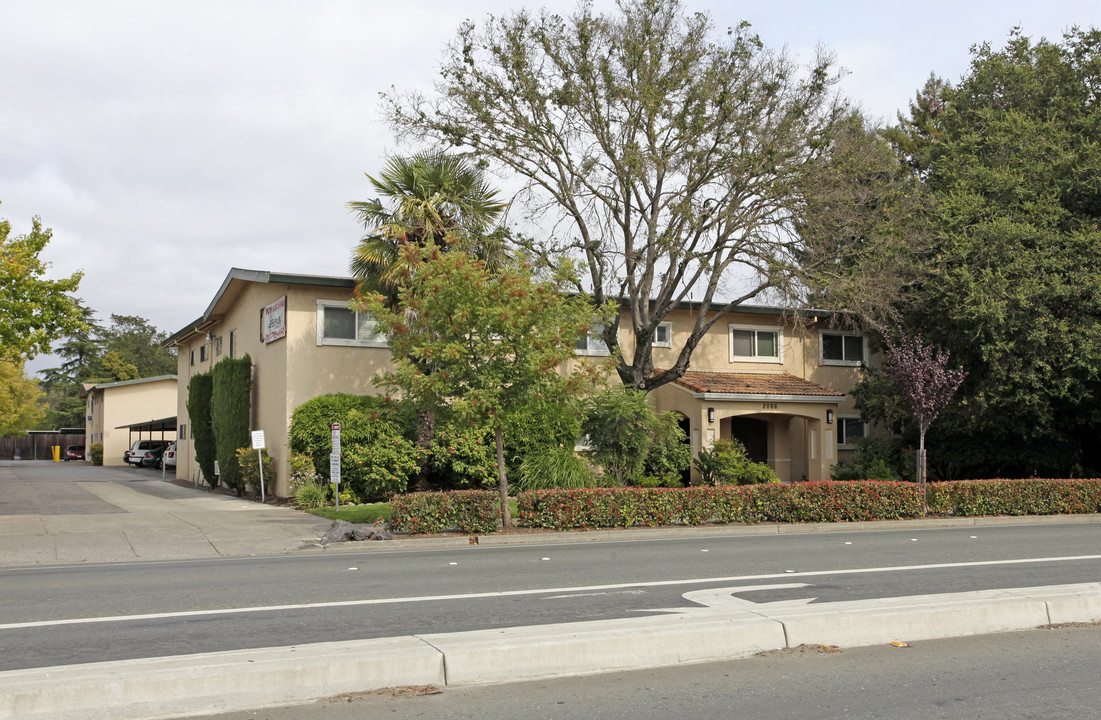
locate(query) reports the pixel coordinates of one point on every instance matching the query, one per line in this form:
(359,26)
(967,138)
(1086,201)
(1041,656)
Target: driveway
(74,513)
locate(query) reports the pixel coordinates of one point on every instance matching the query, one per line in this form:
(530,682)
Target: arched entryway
(752,433)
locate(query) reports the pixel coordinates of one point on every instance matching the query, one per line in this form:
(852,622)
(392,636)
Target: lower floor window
(849,430)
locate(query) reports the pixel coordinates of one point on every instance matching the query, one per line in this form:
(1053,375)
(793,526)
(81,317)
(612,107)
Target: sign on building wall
(273,321)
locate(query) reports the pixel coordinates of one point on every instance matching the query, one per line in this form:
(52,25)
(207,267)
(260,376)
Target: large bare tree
(673,160)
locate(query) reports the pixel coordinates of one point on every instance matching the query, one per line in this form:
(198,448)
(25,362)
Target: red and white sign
(273,321)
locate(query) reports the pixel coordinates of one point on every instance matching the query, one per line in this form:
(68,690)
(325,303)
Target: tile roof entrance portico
(753,386)
(782,419)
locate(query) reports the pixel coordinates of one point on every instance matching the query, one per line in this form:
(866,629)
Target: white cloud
(167,142)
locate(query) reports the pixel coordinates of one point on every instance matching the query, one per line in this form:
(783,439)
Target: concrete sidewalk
(74,513)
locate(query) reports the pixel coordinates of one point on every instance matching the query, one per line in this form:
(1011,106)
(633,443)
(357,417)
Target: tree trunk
(506,518)
(426,430)
(921,471)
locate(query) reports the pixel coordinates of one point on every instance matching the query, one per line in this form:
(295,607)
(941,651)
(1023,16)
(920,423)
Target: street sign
(258,440)
(334,468)
(336,438)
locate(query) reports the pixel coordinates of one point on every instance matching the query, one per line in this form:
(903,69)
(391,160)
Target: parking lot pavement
(75,512)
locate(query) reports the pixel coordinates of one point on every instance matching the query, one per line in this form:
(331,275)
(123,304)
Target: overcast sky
(166,142)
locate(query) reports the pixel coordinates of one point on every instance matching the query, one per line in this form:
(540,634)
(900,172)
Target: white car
(168,459)
(141,450)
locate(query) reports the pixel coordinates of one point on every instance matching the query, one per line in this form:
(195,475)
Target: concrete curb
(726,628)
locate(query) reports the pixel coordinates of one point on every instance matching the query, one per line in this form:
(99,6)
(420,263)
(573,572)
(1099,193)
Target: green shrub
(250,469)
(230,414)
(309,496)
(669,454)
(555,467)
(362,418)
(874,459)
(463,456)
(726,463)
(652,481)
(348,496)
(468,511)
(95,450)
(198,409)
(302,468)
(628,439)
(378,463)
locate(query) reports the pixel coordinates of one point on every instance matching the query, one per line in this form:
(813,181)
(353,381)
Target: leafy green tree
(34,311)
(675,163)
(198,410)
(1012,160)
(137,344)
(20,408)
(231,415)
(496,341)
(432,200)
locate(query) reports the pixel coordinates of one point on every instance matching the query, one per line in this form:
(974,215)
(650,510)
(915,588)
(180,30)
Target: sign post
(258,445)
(334,464)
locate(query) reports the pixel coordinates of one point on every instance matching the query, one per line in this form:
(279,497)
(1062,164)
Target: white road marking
(538,591)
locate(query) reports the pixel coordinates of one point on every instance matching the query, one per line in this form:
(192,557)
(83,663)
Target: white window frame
(842,440)
(822,360)
(594,344)
(668,342)
(346,342)
(777,360)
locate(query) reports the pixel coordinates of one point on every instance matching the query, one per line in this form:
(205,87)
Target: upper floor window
(663,335)
(593,343)
(338,325)
(752,344)
(849,430)
(842,349)
(218,346)
(203,353)
(233,343)
(192,357)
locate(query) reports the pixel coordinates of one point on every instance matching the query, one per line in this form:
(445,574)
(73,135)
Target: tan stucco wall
(294,369)
(125,405)
(286,372)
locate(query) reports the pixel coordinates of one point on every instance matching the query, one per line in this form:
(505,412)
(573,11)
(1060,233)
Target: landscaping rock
(339,531)
(342,531)
(378,531)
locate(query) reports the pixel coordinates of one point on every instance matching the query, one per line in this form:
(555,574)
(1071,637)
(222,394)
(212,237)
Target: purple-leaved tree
(920,373)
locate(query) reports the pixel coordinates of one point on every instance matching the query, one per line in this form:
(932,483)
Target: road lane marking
(537,591)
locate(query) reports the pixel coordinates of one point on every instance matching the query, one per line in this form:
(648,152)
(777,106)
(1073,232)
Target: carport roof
(162,425)
(755,384)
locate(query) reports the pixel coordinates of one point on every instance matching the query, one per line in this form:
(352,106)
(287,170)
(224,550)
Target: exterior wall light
(829,417)
(710,415)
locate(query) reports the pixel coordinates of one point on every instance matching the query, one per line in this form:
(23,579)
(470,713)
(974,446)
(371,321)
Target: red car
(74,452)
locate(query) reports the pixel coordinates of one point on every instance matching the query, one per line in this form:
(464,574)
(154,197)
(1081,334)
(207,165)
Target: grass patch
(355,514)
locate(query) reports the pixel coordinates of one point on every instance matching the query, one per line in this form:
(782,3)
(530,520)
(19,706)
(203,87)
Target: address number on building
(770,406)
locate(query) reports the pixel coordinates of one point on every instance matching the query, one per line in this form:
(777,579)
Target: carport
(150,426)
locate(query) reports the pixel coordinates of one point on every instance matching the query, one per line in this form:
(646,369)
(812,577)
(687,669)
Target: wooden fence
(36,446)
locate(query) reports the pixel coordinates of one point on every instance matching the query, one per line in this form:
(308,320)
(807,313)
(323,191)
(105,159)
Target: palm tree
(434,199)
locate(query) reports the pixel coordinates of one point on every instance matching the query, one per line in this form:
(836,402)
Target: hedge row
(478,511)
(964,498)
(801,502)
(470,512)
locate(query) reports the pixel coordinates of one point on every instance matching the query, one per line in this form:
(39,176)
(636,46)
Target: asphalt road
(55,615)
(1032,674)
